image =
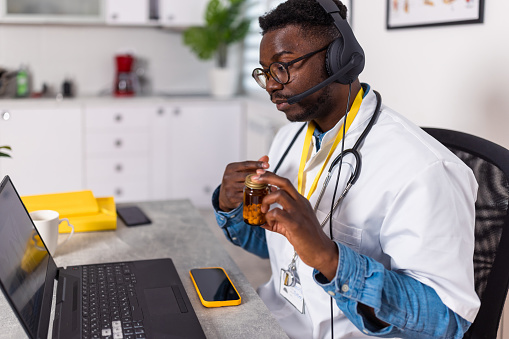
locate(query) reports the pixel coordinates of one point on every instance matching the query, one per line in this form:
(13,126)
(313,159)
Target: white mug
(47,222)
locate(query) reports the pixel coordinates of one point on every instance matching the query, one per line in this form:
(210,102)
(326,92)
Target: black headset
(345,58)
(344,51)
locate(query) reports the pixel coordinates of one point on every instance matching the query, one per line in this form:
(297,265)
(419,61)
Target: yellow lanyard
(307,145)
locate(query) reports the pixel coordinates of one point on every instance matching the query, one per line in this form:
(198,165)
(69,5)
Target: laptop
(135,299)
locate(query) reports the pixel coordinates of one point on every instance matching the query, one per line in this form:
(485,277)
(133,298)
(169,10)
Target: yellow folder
(85,212)
(66,203)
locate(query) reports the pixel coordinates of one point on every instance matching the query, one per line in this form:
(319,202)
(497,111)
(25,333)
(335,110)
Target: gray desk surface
(177,232)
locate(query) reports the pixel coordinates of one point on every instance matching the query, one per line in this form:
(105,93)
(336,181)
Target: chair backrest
(490,164)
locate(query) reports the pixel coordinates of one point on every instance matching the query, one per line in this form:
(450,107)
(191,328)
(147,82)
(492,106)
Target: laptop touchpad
(161,301)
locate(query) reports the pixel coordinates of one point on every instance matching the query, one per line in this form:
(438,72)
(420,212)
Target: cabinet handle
(118,192)
(160,111)
(118,143)
(207,189)
(6,115)
(119,168)
(176,111)
(118,117)
(114,16)
(170,17)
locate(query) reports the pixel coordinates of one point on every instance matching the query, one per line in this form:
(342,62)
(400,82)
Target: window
(252,43)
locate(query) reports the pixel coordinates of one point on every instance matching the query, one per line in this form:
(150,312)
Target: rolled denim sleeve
(412,309)
(250,238)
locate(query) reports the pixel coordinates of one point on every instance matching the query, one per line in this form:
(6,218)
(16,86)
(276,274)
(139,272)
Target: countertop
(178,232)
(161,98)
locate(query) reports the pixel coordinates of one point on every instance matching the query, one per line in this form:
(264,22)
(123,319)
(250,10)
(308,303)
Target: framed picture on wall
(419,13)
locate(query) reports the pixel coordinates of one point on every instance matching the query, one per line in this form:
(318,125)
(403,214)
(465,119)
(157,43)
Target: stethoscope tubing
(349,184)
(354,151)
(358,162)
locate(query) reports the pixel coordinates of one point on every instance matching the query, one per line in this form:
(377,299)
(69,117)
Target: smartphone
(132,216)
(214,287)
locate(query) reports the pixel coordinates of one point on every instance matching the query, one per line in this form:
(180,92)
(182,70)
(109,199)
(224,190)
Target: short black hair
(308,14)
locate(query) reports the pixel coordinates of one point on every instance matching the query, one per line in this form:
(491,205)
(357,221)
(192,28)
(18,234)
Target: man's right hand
(232,186)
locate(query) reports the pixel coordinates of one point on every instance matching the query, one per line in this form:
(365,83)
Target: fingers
(276,216)
(237,172)
(265,159)
(250,166)
(232,185)
(275,180)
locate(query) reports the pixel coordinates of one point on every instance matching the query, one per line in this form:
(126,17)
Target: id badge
(292,293)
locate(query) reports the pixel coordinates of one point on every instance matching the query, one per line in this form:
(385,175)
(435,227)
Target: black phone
(132,216)
(214,287)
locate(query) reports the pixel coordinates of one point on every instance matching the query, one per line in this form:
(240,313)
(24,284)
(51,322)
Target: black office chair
(490,164)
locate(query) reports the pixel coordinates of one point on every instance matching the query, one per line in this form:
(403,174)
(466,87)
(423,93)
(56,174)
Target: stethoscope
(291,277)
(354,151)
(358,162)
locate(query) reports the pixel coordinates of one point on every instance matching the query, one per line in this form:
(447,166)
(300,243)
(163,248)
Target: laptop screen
(23,258)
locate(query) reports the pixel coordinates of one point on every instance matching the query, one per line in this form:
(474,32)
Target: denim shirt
(412,309)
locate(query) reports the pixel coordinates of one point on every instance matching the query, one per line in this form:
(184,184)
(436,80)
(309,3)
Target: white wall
(449,76)
(86,53)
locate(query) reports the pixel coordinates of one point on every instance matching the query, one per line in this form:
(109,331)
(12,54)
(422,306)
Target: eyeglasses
(279,70)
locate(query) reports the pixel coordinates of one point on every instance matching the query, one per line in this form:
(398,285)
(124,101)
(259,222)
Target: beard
(315,109)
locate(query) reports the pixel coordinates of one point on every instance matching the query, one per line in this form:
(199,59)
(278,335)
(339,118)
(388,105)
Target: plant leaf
(212,11)
(224,24)
(239,32)
(201,41)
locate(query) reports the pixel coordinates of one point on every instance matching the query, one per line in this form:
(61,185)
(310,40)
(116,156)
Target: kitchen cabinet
(133,149)
(194,141)
(117,150)
(127,12)
(182,13)
(167,13)
(46,148)
(161,150)
(51,11)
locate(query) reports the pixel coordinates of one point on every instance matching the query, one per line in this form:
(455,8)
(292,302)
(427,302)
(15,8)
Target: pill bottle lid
(254,185)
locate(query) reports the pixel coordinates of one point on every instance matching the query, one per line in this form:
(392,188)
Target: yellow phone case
(207,303)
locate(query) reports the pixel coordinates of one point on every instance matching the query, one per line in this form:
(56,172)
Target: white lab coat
(412,209)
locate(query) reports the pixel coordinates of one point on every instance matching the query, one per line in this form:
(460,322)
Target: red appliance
(125,79)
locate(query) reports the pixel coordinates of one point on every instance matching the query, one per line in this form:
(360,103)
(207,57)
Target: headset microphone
(344,60)
(329,80)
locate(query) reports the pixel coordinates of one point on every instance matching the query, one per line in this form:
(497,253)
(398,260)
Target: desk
(178,232)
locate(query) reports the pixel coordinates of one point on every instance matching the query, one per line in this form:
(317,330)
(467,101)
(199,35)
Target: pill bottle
(253,196)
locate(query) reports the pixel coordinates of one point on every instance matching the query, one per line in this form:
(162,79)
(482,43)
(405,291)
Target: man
(396,256)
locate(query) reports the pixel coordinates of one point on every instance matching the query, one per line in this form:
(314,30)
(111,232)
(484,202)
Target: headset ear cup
(333,57)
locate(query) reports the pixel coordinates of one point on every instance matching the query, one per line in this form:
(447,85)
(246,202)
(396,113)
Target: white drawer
(118,169)
(117,118)
(117,143)
(127,191)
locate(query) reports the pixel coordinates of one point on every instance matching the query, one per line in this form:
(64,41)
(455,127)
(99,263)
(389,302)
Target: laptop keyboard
(109,304)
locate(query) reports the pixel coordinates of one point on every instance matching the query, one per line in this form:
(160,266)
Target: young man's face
(285,45)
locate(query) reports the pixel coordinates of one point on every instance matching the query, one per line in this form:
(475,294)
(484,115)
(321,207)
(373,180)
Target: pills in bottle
(254,192)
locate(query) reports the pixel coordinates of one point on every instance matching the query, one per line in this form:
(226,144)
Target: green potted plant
(225,24)
(2,153)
